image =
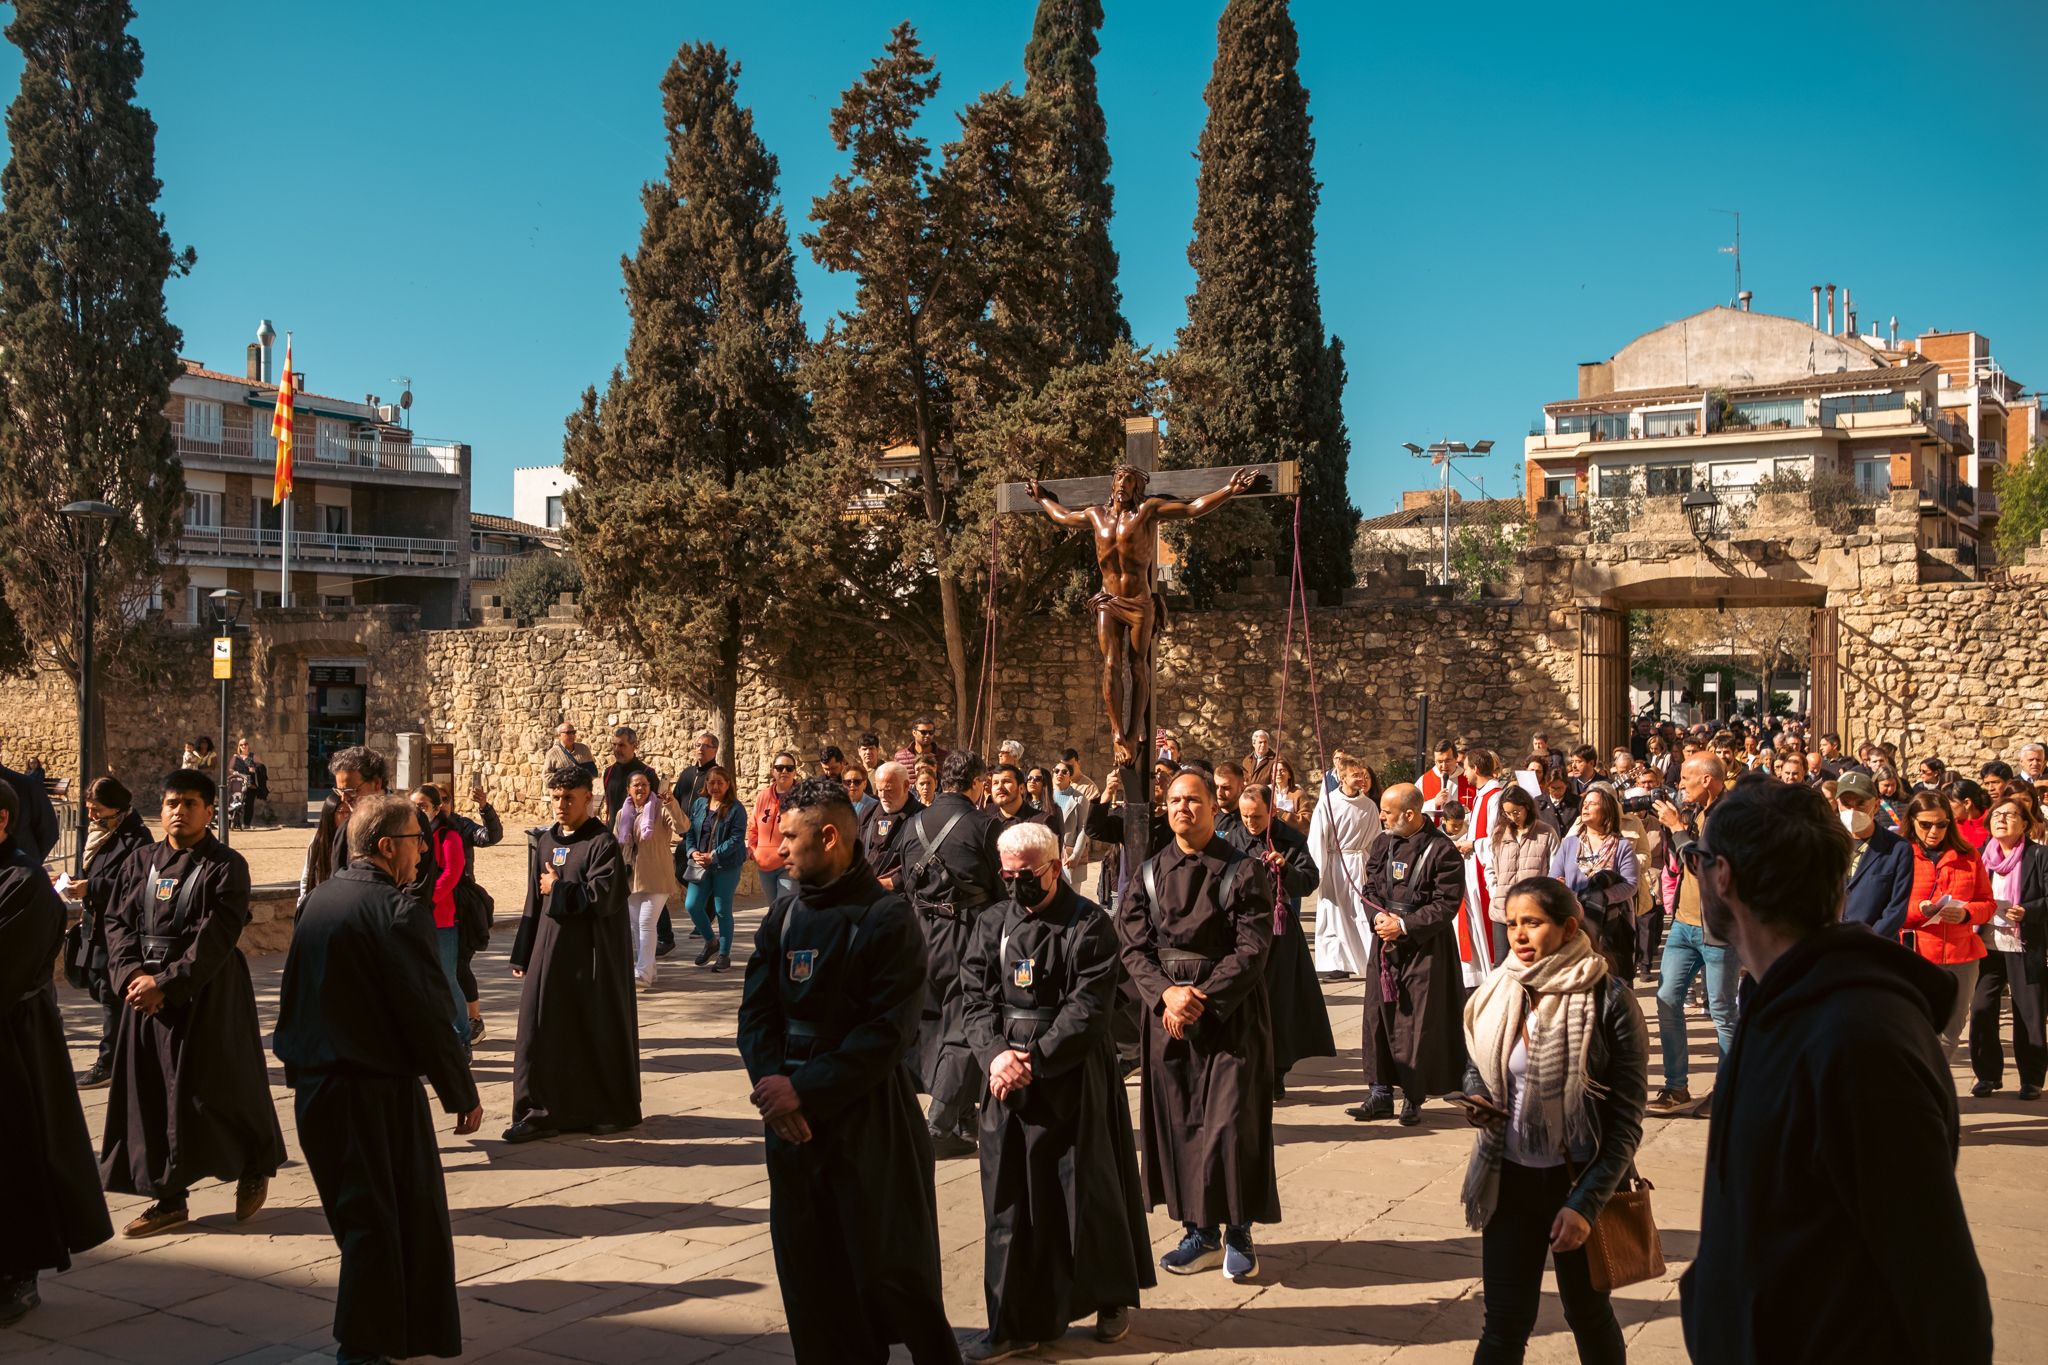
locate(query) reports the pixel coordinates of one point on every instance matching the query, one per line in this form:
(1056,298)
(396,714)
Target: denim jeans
(1511,1254)
(771,883)
(450,942)
(643,911)
(1687,954)
(715,894)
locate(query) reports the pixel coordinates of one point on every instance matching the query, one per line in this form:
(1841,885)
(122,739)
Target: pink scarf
(2004,867)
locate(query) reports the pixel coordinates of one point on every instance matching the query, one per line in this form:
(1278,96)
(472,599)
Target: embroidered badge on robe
(1399,869)
(561,856)
(166,887)
(802,963)
(1021,973)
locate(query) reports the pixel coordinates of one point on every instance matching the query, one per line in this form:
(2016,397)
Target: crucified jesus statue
(1129,610)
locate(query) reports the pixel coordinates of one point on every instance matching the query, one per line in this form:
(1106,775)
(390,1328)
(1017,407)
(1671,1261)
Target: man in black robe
(1104,822)
(1059,1168)
(35,832)
(576,1066)
(48,1184)
(950,873)
(884,825)
(360,1017)
(827,1018)
(1301,1022)
(1414,992)
(190,1097)
(1196,925)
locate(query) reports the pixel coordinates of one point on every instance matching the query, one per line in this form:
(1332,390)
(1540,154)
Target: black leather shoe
(96,1076)
(523,1131)
(705,956)
(724,962)
(1983,1088)
(1376,1106)
(664,949)
(945,1145)
(1411,1111)
(17,1297)
(2030,1092)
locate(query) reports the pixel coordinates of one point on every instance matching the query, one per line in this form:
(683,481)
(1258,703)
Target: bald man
(1414,993)
(1690,948)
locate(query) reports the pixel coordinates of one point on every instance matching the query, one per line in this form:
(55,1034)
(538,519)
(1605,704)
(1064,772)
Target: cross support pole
(1141,445)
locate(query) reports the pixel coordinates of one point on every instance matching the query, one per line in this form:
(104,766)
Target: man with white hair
(1258,764)
(1059,1164)
(881,828)
(2033,763)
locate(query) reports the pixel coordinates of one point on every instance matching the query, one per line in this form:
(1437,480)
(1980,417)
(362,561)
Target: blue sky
(1508,189)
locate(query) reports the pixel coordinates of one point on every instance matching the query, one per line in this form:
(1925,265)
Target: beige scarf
(1559,990)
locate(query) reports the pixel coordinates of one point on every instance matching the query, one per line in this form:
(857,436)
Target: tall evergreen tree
(1059,69)
(1256,315)
(86,353)
(958,311)
(674,509)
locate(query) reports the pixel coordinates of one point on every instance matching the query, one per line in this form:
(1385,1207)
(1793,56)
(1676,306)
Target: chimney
(266,338)
(255,370)
(1743,299)
(1848,313)
(1895,332)
(1816,308)
(1831,310)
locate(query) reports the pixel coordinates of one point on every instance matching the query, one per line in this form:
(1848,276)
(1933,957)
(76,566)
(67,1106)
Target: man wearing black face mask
(1059,1165)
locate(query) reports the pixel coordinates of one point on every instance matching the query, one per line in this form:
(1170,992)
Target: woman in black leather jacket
(1558,1075)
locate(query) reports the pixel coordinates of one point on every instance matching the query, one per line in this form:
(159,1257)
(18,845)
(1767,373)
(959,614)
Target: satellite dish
(405,399)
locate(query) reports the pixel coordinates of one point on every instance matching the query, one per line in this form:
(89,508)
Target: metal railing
(355,452)
(1950,493)
(491,567)
(241,542)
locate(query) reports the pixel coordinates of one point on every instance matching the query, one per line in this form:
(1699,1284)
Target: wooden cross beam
(1141,448)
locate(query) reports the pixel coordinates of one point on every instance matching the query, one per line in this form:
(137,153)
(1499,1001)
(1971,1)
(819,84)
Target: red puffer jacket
(1959,875)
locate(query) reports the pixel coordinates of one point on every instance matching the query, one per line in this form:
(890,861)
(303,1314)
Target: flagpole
(284,577)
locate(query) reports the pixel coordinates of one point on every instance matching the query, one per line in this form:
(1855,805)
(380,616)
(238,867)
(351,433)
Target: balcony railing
(355,452)
(243,542)
(1953,494)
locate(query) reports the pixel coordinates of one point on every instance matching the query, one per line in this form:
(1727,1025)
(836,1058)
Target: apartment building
(1738,401)
(379,516)
(496,544)
(538,492)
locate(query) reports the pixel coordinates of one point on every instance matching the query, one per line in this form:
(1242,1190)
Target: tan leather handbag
(1624,1247)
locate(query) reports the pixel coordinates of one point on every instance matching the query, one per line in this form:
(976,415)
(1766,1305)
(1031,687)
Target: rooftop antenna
(405,398)
(1735,250)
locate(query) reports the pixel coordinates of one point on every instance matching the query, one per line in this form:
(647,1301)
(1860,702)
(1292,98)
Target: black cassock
(1059,1167)
(1206,920)
(945,1070)
(190,1097)
(1415,1036)
(1301,1022)
(362,1014)
(577,1061)
(881,837)
(832,998)
(49,1186)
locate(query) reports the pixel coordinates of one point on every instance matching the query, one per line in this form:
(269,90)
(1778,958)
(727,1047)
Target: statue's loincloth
(1132,611)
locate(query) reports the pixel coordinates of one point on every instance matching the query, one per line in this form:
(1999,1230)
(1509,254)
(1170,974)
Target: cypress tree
(675,504)
(1059,70)
(1255,318)
(87,354)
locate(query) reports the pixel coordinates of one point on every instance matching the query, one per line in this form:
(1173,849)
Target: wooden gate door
(1603,678)
(1824,660)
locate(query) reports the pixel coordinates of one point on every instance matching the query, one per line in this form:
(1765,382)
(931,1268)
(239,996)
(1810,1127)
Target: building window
(1769,412)
(1601,426)
(1564,488)
(331,440)
(1614,482)
(202,511)
(336,601)
(1685,422)
(1831,409)
(554,513)
(1874,478)
(1662,481)
(202,421)
(268,599)
(333,520)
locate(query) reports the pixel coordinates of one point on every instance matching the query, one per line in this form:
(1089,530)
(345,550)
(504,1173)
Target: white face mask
(1857,822)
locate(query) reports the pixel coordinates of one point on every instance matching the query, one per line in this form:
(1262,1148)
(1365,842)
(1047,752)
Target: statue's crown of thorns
(1144,476)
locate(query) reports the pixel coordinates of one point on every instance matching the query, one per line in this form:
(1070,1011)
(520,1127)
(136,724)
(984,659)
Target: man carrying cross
(1130,610)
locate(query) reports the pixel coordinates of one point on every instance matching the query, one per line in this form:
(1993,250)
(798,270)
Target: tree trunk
(949,591)
(725,685)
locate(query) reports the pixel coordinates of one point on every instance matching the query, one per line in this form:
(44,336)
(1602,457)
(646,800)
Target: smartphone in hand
(1478,1106)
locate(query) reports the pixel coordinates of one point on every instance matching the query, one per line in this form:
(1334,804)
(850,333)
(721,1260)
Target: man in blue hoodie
(1880,862)
(1816,1242)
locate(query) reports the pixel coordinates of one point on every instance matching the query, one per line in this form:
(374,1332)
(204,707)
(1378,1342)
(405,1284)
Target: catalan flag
(281,431)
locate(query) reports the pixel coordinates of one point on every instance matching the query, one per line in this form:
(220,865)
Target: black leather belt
(1021,1016)
(157,950)
(806,1029)
(1183,955)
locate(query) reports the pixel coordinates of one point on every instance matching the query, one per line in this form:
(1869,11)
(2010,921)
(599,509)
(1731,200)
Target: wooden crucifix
(1124,511)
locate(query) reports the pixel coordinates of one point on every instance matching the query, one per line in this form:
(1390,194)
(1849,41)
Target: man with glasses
(1880,862)
(567,752)
(1691,947)
(924,743)
(883,827)
(855,780)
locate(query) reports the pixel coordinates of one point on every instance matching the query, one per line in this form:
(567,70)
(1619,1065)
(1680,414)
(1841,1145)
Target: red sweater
(1955,875)
(452,853)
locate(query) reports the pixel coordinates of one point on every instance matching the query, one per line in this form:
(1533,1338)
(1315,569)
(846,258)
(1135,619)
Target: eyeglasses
(785,767)
(923,734)
(1696,855)
(1930,825)
(854,781)
(414,835)
(1062,771)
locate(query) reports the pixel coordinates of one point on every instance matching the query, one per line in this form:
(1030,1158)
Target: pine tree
(676,463)
(1059,69)
(959,310)
(1256,317)
(86,353)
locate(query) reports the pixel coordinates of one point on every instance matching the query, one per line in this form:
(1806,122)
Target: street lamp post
(227,610)
(1440,454)
(90,522)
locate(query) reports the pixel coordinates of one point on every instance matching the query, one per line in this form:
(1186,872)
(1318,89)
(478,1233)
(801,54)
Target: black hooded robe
(49,1185)
(1301,1021)
(1205,920)
(1415,1037)
(190,1096)
(577,1061)
(361,1015)
(944,1068)
(1059,1166)
(832,998)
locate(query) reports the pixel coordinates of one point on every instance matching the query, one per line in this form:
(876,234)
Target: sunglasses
(855,781)
(923,734)
(1930,825)
(785,767)
(1697,855)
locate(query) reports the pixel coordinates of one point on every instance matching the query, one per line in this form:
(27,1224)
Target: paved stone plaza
(653,1245)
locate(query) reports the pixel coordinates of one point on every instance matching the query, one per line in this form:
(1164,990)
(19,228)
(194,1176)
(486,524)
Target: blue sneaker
(1240,1261)
(1197,1251)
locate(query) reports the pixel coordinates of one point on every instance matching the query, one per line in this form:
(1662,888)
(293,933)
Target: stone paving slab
(653,1244)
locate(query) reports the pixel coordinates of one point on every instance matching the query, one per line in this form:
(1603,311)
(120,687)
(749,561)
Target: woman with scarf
(1558,1075)
(1597,863)
(2018,961)
(645,826)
